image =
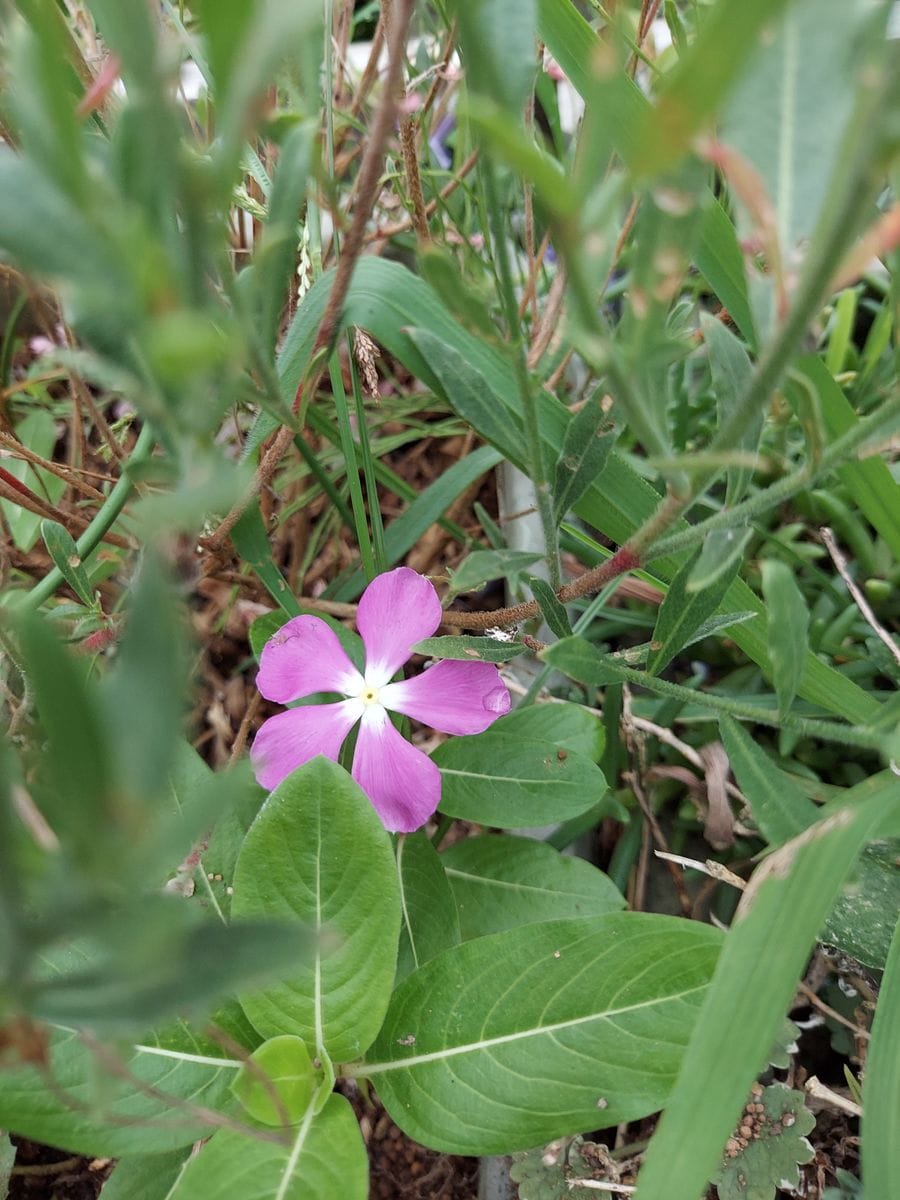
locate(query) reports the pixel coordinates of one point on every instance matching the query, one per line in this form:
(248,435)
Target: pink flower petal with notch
(290,739)
(454,697)
(395,611)
(403,784)
(304,657)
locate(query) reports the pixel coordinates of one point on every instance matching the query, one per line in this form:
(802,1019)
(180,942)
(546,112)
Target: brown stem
(382,232)
(366,192)
(413,179)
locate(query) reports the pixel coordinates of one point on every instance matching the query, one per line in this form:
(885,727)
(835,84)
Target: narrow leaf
(721,549)
(682,612)
(765,953)
(62,549)
(552,611)
(788,629)
(464,648)
(779,808)
(588,441)
(881,1086)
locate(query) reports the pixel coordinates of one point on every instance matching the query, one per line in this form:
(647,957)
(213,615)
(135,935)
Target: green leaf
(146,692)
(502,882)
(430,920)
(385,298)
(868,480)
(510,1040)
(731,369)
(429,506)
(765,953)
(37,431)
(769,1162)
(318,852)
(589,438)
(62,549)
(788,629)
(277,1088)
(144,1176)
(464,648)
(552,611)
(505,779)
(483,566)
(486,24)
(568,726)
(682,612)
(788,112)
(157,961)
(97,1112)
(325,1158)
(721,549)
(861,922)
(252,544)
(691,93)
(881,1085)
(542,1174)
(779,807)
(468,390)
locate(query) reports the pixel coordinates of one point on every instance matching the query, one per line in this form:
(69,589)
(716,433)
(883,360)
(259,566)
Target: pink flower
(396,610)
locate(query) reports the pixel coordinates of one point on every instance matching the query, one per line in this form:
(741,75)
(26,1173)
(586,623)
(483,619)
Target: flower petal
(454,697)
(402,782)
(288,740)
(395,611)
(303,657)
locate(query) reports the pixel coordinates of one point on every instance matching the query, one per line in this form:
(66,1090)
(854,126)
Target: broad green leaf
(682,612)
(501,882)
(482,566)
(721,549)
(862,921)
(318,852)
(788,629)
(144,1176)
(589,438)
(513,1039)
(276,1085)
(731,369)
(553,612)
(323,1158)
(881,1085)
(503,779)
(568,726)
(464,648)
(780,809)
(96,1112)
(62,549)
(766,950)
(430,920)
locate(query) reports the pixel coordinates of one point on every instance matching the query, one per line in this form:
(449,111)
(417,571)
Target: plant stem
(348,449)
(536,465)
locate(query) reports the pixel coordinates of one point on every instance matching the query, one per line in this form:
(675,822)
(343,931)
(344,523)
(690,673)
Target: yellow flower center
(369,695)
